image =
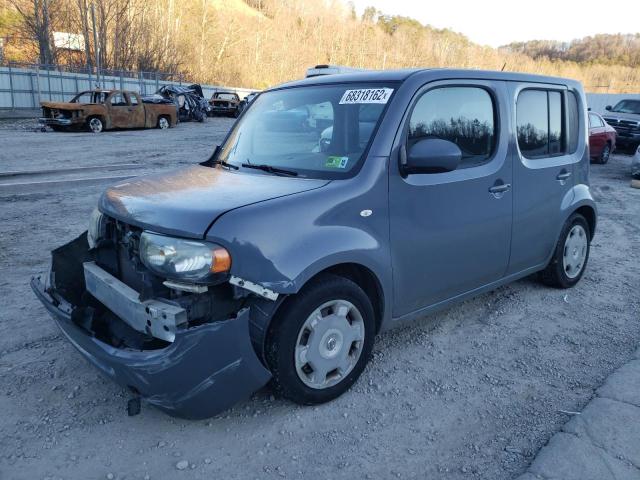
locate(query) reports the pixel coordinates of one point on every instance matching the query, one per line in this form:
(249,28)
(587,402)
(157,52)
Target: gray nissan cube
(336,207)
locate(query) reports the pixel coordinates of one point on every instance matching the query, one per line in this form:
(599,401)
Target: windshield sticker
(366,95)
(336,162)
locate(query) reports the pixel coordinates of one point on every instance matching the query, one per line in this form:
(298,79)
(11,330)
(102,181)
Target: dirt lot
(473,392)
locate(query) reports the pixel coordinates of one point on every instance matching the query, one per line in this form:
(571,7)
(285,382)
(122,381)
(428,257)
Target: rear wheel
(570,256)
(605,154)
(95,125)
(321,340)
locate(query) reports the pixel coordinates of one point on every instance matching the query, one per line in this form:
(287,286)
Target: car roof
(402,74)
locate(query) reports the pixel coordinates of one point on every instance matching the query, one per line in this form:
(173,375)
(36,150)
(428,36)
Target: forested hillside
(604,49)
(257,43)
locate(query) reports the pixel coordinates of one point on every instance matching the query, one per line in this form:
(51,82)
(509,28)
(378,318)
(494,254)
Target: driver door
(119,110)
(451,231)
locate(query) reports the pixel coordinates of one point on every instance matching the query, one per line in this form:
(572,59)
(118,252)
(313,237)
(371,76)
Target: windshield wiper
(271,169)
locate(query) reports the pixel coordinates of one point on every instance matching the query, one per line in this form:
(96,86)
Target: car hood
(63,105)
(186,202)
(622,116)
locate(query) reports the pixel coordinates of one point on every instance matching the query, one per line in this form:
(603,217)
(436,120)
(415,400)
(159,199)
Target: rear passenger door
(546,120)
(451,231)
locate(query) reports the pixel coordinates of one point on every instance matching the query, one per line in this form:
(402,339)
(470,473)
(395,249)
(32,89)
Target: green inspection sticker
(336,162)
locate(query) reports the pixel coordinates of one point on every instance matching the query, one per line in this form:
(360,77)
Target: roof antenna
(503,67)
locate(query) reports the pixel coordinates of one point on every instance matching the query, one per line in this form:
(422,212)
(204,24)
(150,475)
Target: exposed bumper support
(154,317)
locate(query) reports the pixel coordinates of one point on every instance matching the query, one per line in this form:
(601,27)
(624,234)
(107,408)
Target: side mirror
(432,155)
(608,108)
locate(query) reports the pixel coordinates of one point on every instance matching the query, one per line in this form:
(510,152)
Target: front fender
(282,243)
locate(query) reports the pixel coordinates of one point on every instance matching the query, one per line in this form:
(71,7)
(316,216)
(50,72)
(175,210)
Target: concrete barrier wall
(22,88)
(598,101)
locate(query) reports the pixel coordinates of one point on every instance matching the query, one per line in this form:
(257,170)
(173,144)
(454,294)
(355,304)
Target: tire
(95,124)
(298,354)
(163,123)
(605,154)
(570,257)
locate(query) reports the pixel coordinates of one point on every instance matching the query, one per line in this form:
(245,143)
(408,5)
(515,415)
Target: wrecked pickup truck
(98,110)
(333,210)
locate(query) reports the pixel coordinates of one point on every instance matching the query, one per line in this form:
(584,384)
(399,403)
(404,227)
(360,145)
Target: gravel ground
(473,392)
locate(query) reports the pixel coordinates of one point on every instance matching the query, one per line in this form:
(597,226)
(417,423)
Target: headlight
(182,259)
(97,228)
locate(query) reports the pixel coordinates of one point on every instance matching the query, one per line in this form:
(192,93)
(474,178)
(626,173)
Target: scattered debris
(182,465)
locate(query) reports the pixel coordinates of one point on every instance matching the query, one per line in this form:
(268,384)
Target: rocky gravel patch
(470,393)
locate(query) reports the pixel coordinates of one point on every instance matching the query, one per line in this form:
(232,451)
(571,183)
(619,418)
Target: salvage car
(602,139)
(276,260)
(224,103)
(246,101)
(98,110)
(625,118)
(189,101)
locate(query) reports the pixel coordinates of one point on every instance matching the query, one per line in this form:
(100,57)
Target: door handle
(562,176)
(499,190)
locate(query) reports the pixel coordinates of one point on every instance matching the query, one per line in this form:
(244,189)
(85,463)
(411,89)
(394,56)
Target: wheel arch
(366,279)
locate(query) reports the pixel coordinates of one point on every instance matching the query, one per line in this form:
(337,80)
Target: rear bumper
(204,371)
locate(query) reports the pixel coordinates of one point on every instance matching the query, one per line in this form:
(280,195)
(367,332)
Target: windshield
(627,106)
(225,96)
(318,131)
(90,97)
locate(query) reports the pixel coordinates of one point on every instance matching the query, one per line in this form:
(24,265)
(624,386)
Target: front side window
(315,131)
(133,99)
(540,127)
(462,115)
(118,100)
(89,97)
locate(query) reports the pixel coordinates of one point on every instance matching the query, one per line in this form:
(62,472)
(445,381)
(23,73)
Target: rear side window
(462,115)
(574,122)
(133,99)
(540,124)
(594,121)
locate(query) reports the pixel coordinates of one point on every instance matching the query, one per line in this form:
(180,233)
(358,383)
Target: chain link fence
(24,86)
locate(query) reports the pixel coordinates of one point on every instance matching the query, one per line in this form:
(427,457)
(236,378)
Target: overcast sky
(498,22)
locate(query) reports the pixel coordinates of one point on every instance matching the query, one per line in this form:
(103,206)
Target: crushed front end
(188,353)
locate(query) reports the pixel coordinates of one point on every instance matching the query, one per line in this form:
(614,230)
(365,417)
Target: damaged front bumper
(60,122)
(203,371)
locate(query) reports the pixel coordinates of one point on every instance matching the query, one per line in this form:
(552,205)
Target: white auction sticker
(366,95)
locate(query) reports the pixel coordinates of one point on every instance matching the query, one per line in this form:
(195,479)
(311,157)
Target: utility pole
(96,47)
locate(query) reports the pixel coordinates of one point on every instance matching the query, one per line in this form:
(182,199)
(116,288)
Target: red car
(602,138)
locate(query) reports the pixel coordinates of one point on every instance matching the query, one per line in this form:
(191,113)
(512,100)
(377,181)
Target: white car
(635,165)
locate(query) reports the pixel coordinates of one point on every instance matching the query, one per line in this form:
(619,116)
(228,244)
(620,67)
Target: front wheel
(320,340)
(570,257)
(95,125)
